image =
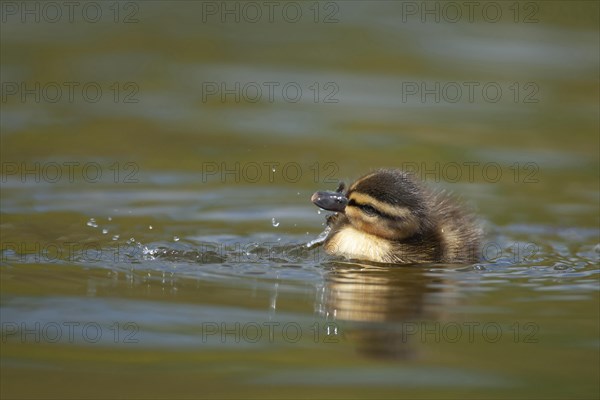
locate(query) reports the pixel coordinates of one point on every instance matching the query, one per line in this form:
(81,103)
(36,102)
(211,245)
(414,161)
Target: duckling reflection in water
(388,216)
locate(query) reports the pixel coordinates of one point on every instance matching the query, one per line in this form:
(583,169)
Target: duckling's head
(386,203)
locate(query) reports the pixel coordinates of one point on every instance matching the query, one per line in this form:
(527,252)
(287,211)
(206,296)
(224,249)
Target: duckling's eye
(368,209)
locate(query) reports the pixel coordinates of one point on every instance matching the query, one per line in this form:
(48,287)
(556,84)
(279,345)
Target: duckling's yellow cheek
(359,219)
(383,229)
(367,226)
(352,213)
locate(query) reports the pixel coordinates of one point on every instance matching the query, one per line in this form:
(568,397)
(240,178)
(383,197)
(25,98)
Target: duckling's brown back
(460,233)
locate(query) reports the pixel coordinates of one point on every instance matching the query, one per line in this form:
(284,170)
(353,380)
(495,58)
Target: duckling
(388,216)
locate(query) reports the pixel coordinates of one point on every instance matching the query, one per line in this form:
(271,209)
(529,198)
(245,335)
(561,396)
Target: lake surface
(157,164)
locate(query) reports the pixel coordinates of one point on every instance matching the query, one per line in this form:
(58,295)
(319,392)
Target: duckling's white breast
(351,243)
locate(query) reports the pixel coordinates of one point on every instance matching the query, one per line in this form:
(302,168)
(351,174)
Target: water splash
(92,223)
(319,239)
(274,222)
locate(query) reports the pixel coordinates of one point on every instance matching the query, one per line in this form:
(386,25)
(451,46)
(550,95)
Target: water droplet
(149,226)
(319,211)
(104,231)
(273,170)
(298,194)
(92,223)
(110,218)
(115,237)
(176,238)
(274,222)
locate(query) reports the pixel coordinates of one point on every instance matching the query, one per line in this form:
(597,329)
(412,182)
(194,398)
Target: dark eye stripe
(369,209)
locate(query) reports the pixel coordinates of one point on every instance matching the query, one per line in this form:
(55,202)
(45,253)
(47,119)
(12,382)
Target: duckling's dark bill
(330,201)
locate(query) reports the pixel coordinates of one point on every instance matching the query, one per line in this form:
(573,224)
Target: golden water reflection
(383,305)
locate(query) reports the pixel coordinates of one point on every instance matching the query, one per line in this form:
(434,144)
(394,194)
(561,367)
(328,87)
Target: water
(154,241)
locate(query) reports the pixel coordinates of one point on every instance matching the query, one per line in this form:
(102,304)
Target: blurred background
(157,164)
